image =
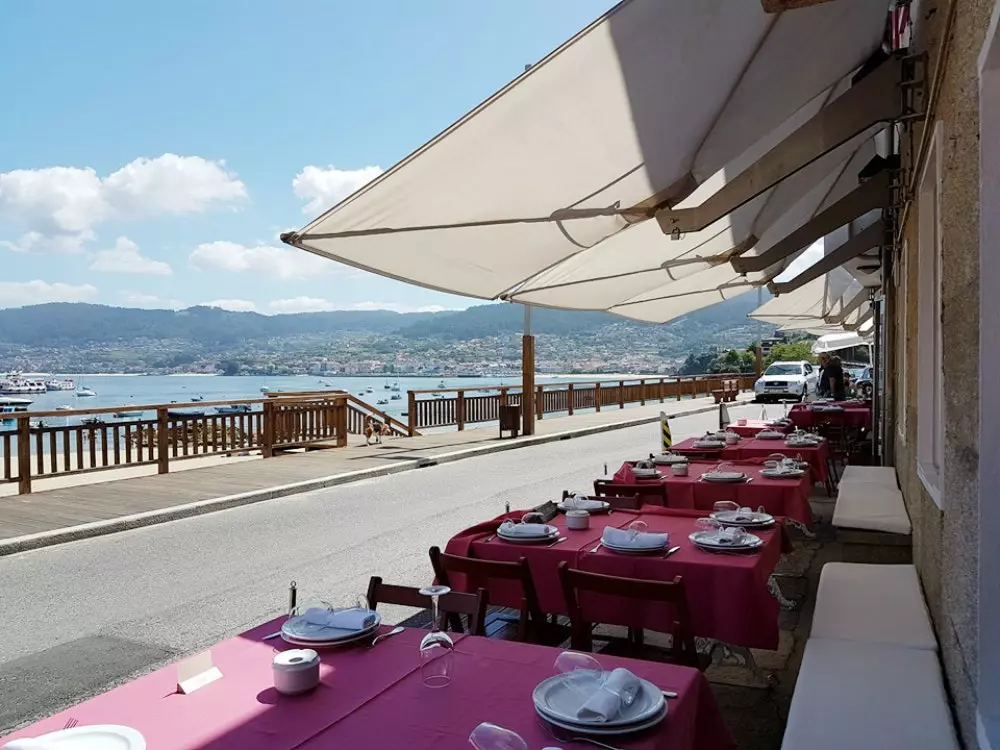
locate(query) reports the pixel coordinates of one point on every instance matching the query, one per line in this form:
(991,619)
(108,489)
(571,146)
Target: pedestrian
(822,385)
(833,374)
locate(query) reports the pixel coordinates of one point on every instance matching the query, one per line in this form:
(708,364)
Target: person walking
(822,384)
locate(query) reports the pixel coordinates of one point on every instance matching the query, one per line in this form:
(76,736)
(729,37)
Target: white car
(785,380)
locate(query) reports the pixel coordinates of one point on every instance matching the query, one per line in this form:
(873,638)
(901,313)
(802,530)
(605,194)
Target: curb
(28,542)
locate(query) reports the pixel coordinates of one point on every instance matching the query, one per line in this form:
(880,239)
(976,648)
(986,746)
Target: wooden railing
(358,412)
(37,447)
(445,407)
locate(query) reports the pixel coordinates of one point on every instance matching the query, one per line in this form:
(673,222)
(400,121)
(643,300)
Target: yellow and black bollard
(665,439)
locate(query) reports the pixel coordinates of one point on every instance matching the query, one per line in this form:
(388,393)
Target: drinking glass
(437,650)
(725,505)
(637,527)
(707,524)
(492,737)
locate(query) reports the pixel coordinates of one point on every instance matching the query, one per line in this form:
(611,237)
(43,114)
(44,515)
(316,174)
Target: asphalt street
(78,618)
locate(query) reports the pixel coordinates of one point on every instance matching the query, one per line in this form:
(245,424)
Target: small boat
(64,407)
(14,401)
(197,398)
(234,409)
(395,387)
(395,397)
(127,414)
(92,421)
(442,384)
(185,413)
(264,389)
(382,401)
(405,413)
(369,390)
(84,392)
(60,385)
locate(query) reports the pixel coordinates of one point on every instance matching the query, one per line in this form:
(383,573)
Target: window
(809,369)
(930,401)
(780,369)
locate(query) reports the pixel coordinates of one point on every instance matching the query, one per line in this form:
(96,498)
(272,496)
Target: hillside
(82,337)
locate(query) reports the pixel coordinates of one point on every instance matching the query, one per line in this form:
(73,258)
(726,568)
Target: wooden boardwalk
(102,497)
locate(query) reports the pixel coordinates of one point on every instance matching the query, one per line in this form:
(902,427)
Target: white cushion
(872,604)
(865,696)
(884,475)
(872,507)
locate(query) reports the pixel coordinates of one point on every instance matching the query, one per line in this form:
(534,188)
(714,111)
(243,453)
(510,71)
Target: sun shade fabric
(815,302)
(653,99)
(833,342)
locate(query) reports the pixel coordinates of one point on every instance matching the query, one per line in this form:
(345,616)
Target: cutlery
(395,631)
(669,694)
(557,541)
(671,551)
(490,538)
(70,723)
(597,547)
(271,637)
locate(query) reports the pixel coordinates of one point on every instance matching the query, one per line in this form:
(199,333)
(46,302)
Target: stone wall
(945,543)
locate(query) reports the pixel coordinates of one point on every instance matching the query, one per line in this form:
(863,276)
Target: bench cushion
(863,505)
(884,475)
(866,696)
(872,604)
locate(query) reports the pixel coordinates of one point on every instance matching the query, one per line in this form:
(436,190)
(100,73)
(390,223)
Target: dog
(371,431)
(386,430)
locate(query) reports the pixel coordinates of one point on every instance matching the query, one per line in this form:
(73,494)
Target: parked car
(864,383)
(786,380)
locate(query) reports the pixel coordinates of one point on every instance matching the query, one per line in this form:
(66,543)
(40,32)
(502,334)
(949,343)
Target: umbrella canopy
(832,342)
(545,192)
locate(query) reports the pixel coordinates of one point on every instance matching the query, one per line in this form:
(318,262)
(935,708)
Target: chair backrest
(478,570)
(605,487)
(454,603)
(670,592)
(617,502)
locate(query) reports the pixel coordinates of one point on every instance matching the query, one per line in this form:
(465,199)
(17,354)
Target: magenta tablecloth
(754,448)
(727,594)
(376,699)
(854,416)
(752,427)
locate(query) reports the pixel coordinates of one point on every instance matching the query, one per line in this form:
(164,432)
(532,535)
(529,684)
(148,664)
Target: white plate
(646,474)
(602,731)
(710,444)
(730,518)
(666,459)
(786,474)
(304,632)
(564,506)
(552,534)
(726,477)
(362,636)
(802,443)
(96,737)
(708,540)
(634,550)
(555,699)
(769,435)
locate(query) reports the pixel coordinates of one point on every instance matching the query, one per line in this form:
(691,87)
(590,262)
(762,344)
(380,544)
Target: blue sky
(151,153)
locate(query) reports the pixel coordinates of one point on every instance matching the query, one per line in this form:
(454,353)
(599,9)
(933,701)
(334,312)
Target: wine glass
(437,650)
(637,527)
(492,737)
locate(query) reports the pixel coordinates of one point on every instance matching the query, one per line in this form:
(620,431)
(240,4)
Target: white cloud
(314,304)
(139,299)
(124,257)
(233,305)
(59,206)
(21,293)
(324,187)
(278,262)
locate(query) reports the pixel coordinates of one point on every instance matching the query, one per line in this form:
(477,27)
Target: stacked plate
(521,533)
(726,477)
(710,444)
(784,472)
(311,631)
(591,505)
(746,519)
(802,442)
(668,459)
(715,541)
(646,473)
(558,699)
(642,544)
(770,435)
(94,737)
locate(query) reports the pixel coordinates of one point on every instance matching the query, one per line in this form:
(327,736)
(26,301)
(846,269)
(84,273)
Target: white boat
(395,387)
(64,407)
(84,392)
(67,384)
(17,384)
(395,397)
(442,384)
(369,390)
(264,389)
(12,401)
(127,414)
(382,401)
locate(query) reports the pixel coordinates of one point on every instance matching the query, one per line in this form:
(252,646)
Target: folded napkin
(524,529)
(623,538)
(625,475)
(730,535)
(345,619)
(611,697)
(584,503)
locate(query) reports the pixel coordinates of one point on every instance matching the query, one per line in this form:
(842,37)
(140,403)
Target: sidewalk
(100,504)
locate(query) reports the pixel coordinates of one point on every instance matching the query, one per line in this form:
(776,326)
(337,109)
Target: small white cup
(577,520)
(732,438)
(679,469)
(741,422)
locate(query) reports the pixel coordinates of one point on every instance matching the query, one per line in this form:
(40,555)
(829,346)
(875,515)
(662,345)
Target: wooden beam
(867,239)
(875,193)
(528,384)
(874,99)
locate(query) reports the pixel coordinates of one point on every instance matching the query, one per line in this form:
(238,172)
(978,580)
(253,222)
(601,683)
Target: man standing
(833,374)
(822,384)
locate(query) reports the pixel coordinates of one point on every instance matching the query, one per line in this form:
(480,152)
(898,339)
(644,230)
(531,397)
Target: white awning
(831,299)
(833,342)
(544,192)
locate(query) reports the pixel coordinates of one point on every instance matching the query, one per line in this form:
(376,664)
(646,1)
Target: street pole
(527,376)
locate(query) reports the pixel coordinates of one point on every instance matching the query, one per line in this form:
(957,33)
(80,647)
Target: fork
(597,547)
(557,541)
(548,728)
(70,723)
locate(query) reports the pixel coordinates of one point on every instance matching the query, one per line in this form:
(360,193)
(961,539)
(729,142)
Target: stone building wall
(945,542)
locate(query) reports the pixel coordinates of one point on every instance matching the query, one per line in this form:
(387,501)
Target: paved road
(77,618)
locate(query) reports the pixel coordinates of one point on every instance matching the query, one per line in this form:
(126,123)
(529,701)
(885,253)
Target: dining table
(376,698)
(728,595)
(856,415)
(749,448)
(749,428)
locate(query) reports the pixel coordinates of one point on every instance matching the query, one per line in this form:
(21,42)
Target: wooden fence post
(539,406)
(621,394)
(411,413)
(662,389)
(267,439)
(162,442)
(642,392)
(340,421)
(460,409)
(569,398)
(597,396)
(23,455)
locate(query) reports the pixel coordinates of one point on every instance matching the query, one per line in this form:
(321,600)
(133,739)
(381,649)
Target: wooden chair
(682,649)
(473,606)
(531,620)
(617,502)
(606,487)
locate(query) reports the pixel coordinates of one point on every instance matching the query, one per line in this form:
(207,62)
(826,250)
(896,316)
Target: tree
(229,367)
(791,352)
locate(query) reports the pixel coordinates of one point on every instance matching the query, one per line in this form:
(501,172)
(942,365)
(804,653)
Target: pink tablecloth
(375,699)
(854,416)
(753,448)
(752,427)
(727,594)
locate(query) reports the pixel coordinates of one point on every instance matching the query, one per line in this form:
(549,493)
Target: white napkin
(584,503)
(346,619)
(623,538)
(729,535)
(524,529)
(607,703)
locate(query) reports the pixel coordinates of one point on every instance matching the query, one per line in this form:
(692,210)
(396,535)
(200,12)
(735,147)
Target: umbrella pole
(527,376)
